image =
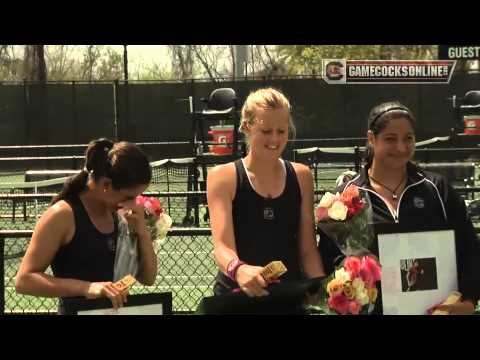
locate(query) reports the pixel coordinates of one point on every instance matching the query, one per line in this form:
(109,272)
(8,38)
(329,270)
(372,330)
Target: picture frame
(138,304)
(419,267)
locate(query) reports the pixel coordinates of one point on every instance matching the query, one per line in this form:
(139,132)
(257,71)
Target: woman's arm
(221,185)
(52,230)
(147,270)
(219,199)
(468,250)
(147,267)
(309,255)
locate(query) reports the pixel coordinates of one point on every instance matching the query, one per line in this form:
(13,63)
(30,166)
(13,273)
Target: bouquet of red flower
(157,220)
(352,289)
(344,218)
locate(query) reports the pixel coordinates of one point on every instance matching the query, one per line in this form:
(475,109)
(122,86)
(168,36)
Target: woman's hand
(460,308)
(135,216)
(106,289)
(251,281)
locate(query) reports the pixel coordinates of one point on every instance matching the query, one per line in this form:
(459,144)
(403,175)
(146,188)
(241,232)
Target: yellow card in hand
(452,298)
(125,283)
(273,270)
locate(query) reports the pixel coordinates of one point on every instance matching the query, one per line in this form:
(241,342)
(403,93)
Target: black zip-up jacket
(427,200)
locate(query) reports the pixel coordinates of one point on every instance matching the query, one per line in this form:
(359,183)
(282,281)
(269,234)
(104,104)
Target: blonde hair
(269,99)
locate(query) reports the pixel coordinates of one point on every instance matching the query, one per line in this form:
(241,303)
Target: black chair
(473,210)
(221,106)
(221,101)
(471,99)
(469,105)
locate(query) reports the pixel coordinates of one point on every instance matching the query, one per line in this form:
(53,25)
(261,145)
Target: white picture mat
(416,245)
(152,309)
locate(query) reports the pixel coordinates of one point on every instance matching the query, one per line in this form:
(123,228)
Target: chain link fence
(21,211)
(186,264)
(185,267)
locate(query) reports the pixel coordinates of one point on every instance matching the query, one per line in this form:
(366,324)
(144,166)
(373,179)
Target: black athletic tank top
(265,229)
(90,256)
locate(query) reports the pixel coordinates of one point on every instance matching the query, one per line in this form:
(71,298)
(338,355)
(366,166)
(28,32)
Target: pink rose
(140,200)
(354,307)
(366,276)
(339,303)
(352,265)
(372,266)
(321,213)
(151,204)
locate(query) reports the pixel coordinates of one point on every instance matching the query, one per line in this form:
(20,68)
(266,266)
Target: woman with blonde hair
(261,206)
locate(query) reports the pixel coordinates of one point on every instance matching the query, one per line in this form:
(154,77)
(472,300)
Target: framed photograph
(419,267)
(139,304)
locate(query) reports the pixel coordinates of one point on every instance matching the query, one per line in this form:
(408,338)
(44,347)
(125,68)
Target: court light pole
(125,63)
(240,61)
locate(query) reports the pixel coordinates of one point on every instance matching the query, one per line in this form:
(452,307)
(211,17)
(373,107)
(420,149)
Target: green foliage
(111,65)
(151,72)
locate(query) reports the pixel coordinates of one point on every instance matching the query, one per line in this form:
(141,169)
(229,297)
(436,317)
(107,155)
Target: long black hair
(123,163)
(378,119)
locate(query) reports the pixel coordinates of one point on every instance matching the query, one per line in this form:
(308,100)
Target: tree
(59,62)
(231,49)
(217,60)
(34,63)
(111,65)
(182,61)
(151,72)
(91,56)
(11,63)
(265,61)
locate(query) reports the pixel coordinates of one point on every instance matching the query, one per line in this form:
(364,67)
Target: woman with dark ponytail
(78,234)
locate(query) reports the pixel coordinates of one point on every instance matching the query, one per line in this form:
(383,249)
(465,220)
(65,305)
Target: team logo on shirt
(268,213)
(111,244)
(419,203)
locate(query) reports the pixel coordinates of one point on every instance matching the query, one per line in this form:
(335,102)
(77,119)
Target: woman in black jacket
(399,192)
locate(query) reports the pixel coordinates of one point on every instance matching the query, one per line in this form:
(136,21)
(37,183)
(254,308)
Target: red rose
(349,195)
(355,207)
(339,303)
(354,307)
(370,271)
(352,265)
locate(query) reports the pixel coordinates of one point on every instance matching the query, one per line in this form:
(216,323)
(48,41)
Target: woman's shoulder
(222,179)
(222,170)
(59,216)
(61,209)
(431,177)
(301,169)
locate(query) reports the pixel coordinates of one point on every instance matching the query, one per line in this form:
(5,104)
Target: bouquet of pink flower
(352,289)
(157,220)
(344,218)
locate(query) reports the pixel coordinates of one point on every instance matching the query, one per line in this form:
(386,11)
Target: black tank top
(90,256)
(265,229)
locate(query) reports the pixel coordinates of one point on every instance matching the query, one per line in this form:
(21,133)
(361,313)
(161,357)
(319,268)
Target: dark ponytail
(123,163)
(73,185)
